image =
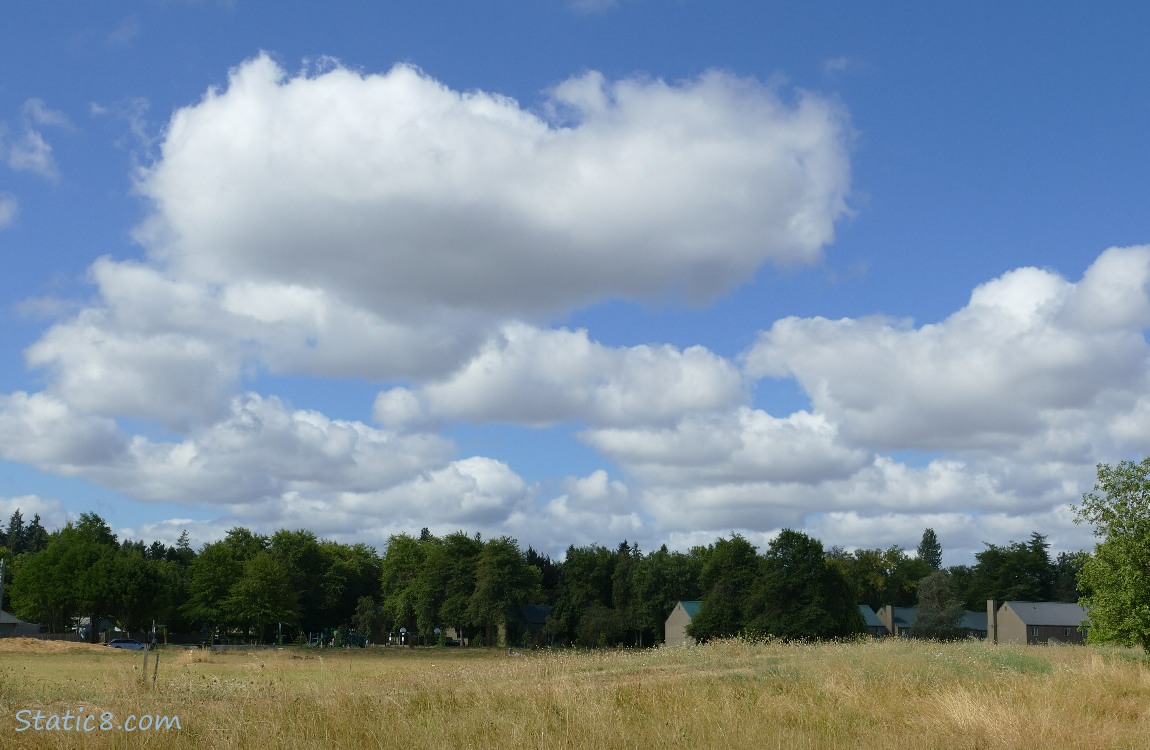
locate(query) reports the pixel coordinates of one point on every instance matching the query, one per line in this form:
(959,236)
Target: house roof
(10,619)
(973,620)
(871,618)
(535,614)
(905,616)
(1058,614)
(691,607)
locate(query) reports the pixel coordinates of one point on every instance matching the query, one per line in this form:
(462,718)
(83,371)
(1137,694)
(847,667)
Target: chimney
(886,614)
(991,621)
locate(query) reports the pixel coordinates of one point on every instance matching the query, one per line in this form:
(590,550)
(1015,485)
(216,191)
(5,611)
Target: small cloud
(9,207)
(35,111)
(33,154)
(128,30)
(836,65)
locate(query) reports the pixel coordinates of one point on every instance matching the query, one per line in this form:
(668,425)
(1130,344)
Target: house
(524,625)
(973,624)
(675,630)
(11,625)
(898,620)
(1035,622)
(874,626)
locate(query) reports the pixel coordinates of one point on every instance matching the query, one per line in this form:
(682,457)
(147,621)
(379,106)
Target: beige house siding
(1011,628)
(1009,625)
(675,629)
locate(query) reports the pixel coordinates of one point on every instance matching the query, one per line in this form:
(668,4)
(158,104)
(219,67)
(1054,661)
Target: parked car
(127,643)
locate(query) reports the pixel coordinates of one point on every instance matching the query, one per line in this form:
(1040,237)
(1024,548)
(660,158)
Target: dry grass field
(894,693)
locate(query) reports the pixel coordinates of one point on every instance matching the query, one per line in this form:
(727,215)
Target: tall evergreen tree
(929,550)
(15,535)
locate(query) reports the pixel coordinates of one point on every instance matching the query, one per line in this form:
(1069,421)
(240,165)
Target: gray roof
(9,619)
(534,614)
(871,618)
(973,621)
(904,617)
(1058,614)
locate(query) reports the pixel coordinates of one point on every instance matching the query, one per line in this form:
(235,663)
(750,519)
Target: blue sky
(573,271)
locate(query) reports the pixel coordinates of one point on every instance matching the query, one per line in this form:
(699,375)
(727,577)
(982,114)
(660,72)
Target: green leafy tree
(1117,575)
(800,593)
(299,555)
(461,554)
(1018,571)
(399,570)
(366,620)
(350,572)
(135,590)
(263,596)
(210,579)
(939,608)
(730,568)
(41,589)
(503,579)
(902,576)
(599,626)
(867,571)
(1067,567)
(929,550)
(585,581)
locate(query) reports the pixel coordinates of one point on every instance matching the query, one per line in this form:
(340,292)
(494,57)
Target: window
(1068,632)
(1034,631)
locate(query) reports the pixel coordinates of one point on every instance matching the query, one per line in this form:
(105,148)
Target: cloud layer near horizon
(336,225)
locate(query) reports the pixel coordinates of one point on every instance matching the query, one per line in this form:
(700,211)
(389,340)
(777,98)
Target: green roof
(691,607)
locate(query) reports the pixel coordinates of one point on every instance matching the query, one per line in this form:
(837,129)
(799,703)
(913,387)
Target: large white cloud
(385,226)
(1030,354)
(400,195)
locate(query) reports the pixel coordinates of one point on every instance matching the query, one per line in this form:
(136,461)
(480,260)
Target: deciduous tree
(1117,575)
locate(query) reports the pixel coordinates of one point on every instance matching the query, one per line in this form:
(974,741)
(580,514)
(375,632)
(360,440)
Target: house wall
(1011,628)
(675,630)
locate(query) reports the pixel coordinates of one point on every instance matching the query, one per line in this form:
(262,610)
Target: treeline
(294,583)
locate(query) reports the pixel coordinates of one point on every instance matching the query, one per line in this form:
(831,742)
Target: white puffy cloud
(1029,355)
(262,450)
(43,431)
(590,509)
(539,377)
(743,445)
(399,195)
(385,226)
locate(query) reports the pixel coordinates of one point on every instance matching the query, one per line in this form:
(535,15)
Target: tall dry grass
(724,695)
